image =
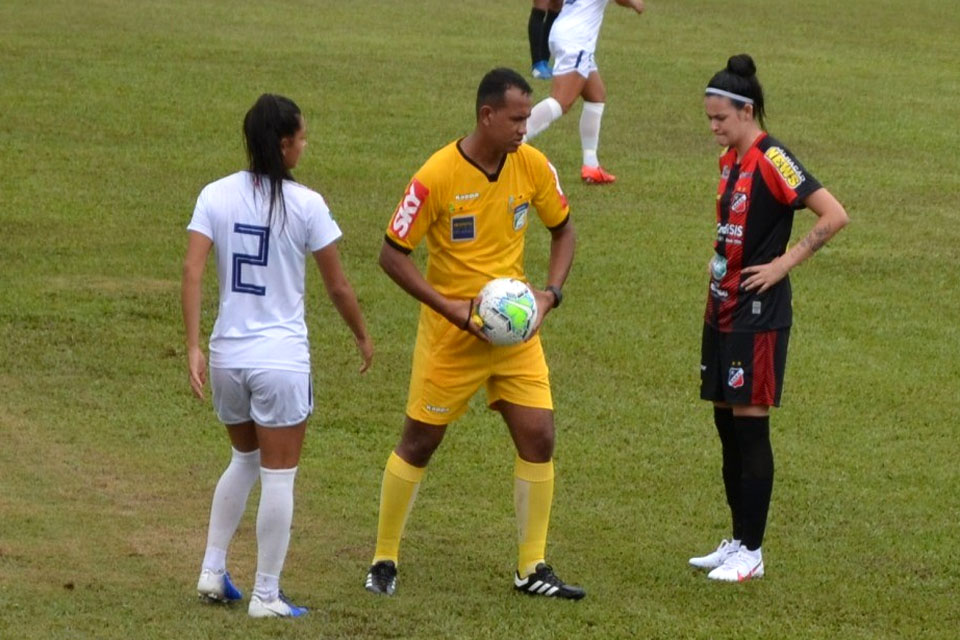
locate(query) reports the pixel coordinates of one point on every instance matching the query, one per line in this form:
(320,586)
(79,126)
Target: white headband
(732,96)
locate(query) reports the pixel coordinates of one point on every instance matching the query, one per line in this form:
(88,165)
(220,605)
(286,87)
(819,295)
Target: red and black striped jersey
(756,199)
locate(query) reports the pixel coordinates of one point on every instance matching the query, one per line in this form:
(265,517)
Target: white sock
(542,114)
(229,503)
(266,587)
(590,132)
(273,528)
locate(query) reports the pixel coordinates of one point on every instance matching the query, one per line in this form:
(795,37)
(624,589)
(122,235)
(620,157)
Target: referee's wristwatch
(557,294)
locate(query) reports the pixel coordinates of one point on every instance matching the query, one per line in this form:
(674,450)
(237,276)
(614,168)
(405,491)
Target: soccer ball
(508,310)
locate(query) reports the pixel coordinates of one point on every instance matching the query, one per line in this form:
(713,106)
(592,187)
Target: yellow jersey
(474,223)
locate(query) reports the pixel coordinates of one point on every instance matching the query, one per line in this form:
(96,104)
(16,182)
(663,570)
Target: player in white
(573,41)
(263,225)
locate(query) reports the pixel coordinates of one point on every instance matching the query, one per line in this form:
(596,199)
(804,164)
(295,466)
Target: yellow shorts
(449,365)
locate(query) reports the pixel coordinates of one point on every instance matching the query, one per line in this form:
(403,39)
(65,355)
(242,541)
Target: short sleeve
(200,222)
(549,199)
(788,180)
(322,229)
(413,215)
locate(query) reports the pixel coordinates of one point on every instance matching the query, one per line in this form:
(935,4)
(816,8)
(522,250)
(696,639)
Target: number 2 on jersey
(258,259)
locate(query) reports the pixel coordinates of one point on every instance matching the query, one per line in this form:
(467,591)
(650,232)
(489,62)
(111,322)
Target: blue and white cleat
(541,70)
(216,586)
(279,607)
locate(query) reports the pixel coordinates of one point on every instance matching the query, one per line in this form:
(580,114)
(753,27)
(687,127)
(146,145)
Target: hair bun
(742,65)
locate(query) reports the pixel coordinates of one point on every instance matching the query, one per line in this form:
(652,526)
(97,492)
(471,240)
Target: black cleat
(543,582)
(382,578)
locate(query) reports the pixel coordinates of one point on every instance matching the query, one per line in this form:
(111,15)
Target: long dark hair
(740,77)
(271,119)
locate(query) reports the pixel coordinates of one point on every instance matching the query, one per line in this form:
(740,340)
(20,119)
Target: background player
(573,41)
(542,15)
(263,225)
(471,201)
(748,316)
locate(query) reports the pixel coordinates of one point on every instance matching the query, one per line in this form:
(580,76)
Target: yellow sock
(397,493)
(533,495)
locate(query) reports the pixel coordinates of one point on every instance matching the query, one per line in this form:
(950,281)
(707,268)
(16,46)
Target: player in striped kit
(748,315)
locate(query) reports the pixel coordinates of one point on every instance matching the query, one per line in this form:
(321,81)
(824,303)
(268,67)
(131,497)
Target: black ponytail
(271,119)
(740,78)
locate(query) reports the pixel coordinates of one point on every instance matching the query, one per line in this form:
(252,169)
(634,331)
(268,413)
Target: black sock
(545,38)
(535,34)
(723,418)
(756,480)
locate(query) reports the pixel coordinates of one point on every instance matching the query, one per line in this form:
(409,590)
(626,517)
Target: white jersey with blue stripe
(578,25)
(261,266)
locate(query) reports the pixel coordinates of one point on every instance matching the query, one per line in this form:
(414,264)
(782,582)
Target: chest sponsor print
(730,233)
(463,228)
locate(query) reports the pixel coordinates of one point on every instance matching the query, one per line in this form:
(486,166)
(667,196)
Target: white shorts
(569,60)
(269,397)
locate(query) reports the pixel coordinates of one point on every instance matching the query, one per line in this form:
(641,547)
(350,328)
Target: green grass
(115,114)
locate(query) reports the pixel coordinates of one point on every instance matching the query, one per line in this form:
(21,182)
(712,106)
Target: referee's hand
(463,314)
(545,301)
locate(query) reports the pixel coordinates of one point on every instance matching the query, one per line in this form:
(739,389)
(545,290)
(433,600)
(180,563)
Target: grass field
(114,114)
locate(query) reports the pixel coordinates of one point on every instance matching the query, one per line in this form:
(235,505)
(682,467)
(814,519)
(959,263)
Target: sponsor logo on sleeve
(409,208)
(787,168)
(463,228)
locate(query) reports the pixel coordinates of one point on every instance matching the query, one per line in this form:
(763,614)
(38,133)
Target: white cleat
(279,607)
(216,586)
(716,558)
(740,567)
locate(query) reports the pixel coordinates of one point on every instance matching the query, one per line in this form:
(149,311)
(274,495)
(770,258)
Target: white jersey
(578,25)
(261,269)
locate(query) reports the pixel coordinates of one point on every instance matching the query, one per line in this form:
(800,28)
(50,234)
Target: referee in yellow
(472,202)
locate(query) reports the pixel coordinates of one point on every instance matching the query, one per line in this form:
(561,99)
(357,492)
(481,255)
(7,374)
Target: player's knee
(418,444)
(536,444)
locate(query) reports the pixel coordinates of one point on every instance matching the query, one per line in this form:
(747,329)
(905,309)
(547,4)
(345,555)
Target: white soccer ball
(508,310)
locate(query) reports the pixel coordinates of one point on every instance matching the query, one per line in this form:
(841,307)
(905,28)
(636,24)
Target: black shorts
(743,368)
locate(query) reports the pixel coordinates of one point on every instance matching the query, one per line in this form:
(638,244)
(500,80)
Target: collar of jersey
(491,177)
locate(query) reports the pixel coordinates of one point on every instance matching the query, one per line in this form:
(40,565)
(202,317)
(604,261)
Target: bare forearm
(190,304)
(831,219)
(562,248)
(345,301)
